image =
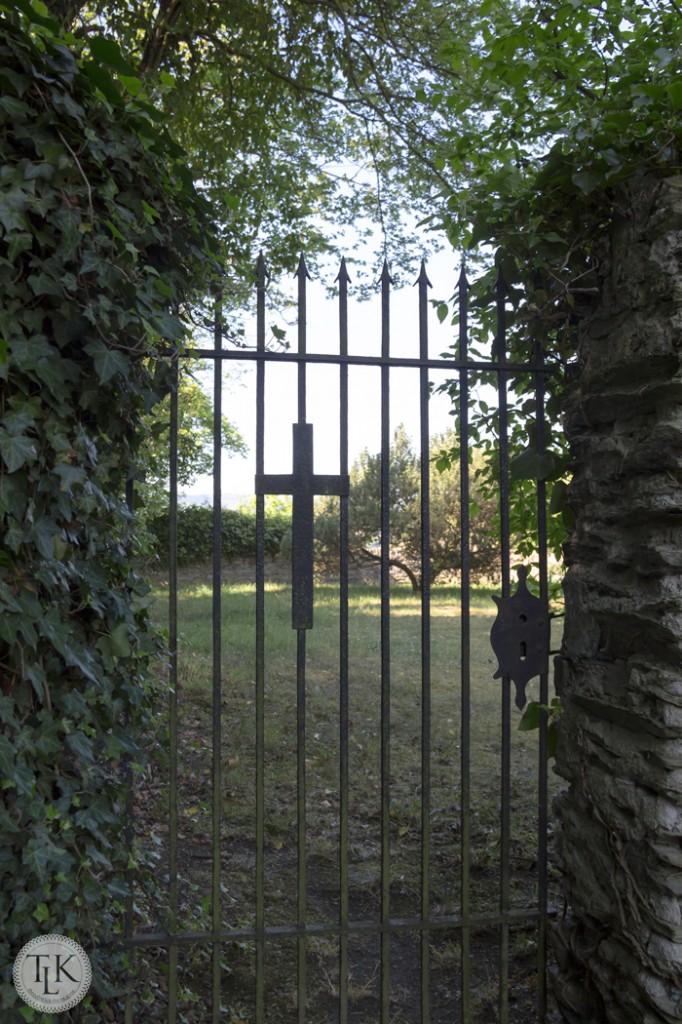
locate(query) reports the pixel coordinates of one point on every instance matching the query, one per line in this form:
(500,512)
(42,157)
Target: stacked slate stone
(619,945)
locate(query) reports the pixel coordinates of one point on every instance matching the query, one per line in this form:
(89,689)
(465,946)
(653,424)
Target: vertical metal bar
(505,793)
(385,982)
(217,656)
(344,965)
(465,625)
(301,821)
(260,649)
(303,277)
(538,356)
(128,775)
(424,284)
(173,699)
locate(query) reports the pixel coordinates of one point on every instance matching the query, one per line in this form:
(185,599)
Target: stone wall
(619,945)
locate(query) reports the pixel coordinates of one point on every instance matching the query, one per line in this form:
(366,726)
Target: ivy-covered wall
(102,237)
(619,947)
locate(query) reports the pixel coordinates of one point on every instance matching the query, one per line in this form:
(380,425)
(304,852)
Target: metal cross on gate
(303,484)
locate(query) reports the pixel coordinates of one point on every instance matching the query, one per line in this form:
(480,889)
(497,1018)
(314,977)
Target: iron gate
(383,940)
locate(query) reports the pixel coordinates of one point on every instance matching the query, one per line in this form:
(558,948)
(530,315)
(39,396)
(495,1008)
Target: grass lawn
(322,752)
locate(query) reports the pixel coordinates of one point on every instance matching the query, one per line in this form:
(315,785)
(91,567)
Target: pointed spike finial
(423,278)
(463,283)
(386,274)
(261,269)
(302,270)
(343,274)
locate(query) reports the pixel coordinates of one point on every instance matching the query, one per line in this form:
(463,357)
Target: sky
(239,396)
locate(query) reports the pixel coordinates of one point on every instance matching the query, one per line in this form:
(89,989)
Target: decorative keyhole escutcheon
(520,637)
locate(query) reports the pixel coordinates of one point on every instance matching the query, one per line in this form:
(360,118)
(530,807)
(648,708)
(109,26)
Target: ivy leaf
(41,913)
(44,531)
(16,450)
(43,857)
(552,737)
(81,745)
(109,52)
(587,181)
(675,94)
(103,81)
(108,362)
(7,758)
(530,718)
(532,465)
(558,500)
(120,643)
(131,83)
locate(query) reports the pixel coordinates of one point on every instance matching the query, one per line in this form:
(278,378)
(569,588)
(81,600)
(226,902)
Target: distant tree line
(238,526)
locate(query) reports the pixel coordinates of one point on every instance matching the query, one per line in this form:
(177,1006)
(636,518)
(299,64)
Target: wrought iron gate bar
(173,699)
(259,975)
(344,710)
(385,978)
(302,580)
(543,811)
(465,668)
(499,350)
(216,755)
(301,823)
(425,566)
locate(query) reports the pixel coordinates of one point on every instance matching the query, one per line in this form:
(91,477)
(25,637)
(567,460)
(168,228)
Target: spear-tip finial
(302,270)
(261,269)
(463,282)
(423,278)
(386,278)
(343,275)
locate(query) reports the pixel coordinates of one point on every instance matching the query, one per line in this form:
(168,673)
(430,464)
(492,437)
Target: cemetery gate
(372,841)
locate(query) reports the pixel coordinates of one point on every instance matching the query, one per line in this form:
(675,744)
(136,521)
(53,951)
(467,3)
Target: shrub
(195,533)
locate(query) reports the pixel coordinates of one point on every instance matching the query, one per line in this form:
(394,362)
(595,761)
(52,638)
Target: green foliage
(405,515)
(101,239)
(237,533)
(571,100)
(559,105)
(535,713)
(194,440)
(530,461)
(301,120)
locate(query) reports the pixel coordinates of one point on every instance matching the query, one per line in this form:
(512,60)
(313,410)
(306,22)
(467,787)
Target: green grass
(322,717)
(322,751)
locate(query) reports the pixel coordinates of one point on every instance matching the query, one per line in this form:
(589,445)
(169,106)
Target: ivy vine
(102,239)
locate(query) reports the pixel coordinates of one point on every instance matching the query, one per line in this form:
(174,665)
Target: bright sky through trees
(239,397)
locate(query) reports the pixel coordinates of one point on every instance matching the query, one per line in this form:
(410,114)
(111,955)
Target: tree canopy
(503,123)
(298,118)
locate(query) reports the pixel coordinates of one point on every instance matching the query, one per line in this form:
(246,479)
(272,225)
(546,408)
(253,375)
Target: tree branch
(414,580)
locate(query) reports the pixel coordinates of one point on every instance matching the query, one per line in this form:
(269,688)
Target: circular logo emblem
(52,973)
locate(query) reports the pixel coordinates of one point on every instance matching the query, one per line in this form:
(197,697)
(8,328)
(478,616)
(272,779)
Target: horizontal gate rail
(392,924)
(494,366)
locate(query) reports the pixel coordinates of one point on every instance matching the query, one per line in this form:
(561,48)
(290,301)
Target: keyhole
(523,618)
(523,650)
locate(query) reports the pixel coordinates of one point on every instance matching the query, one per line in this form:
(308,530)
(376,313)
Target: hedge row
(195,533)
